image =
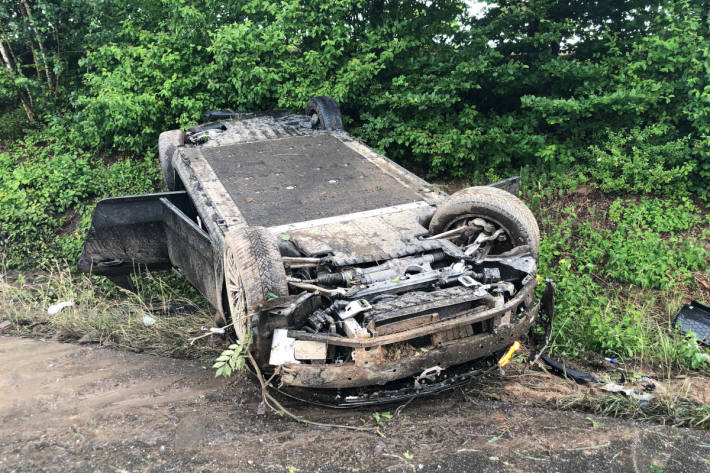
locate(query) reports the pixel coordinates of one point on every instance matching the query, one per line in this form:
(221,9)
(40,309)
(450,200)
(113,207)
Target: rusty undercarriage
(343,269)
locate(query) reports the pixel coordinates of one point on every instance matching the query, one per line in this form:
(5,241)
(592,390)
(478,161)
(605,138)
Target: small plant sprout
(232,359)
(380,417)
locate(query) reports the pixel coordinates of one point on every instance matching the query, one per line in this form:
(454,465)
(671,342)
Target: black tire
(489,203)
(254,273)
(324,114)
(168,142)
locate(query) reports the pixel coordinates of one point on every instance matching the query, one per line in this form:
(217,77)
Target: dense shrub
(625,103)
(47,192)
(13,123)
(622,276)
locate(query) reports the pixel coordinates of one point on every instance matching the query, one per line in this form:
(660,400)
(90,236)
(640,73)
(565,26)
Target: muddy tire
(489,203)
(253,273)
(324,114)
(168,142)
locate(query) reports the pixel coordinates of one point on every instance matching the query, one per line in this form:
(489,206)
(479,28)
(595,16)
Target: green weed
(48,189)
(660,215)
(620,281)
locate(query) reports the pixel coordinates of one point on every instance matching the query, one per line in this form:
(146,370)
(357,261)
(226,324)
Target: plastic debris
(694,318)
(148,321)
(216,330)
(652,385)
(641,395)
(282,348)
(55,308)
(508,355)
(562,370)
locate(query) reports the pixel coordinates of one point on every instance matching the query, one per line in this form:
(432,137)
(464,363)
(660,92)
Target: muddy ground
(65,407)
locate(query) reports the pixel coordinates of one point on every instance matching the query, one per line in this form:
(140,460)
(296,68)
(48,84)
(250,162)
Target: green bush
(618,278)
(642,161)
(660,215)
(47,192)
(13,123)
(640,257)
(624,106)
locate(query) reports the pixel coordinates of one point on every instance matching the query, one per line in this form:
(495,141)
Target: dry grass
(669,408)
(105,314)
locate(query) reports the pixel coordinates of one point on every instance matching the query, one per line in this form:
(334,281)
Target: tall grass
(106,314)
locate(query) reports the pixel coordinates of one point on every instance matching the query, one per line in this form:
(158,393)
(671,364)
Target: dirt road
(66,407)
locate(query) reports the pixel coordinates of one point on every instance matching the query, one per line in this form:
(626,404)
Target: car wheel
(168,142)
(324,114)
(253,273)
(495,210)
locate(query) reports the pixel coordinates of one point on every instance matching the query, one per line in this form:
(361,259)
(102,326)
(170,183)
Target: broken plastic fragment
(148,321)
(644,398)
(308,350)
(55,308)
(509,354)
(564,371)
(282,348)
(216,330)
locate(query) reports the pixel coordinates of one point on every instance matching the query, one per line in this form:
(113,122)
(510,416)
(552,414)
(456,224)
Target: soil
(65,407)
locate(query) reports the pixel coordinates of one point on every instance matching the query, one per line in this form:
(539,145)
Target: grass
(106,314)
(672,409)
(624,266)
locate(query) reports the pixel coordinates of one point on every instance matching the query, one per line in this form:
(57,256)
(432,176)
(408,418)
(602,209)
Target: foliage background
(608,95)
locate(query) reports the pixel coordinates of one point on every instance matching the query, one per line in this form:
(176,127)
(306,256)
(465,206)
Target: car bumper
(374,365)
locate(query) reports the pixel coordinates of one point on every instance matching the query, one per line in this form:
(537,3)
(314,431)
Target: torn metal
(400,316)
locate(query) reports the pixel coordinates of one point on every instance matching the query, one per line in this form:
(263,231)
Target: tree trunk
(39,43)
(18,71)
(10,67)
(59,55)
(32,48)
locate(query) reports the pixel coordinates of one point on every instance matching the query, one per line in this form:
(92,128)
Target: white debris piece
(282,348)
(354,308)
(354,330)
(216,330)
(307,350)
(55,308)
(148,321)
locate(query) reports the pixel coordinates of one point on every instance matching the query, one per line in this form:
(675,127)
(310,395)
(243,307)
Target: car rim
(499,245)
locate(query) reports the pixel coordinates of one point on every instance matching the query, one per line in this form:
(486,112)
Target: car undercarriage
(342,271)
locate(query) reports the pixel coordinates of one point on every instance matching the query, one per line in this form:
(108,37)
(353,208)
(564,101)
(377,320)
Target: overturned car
(345,270)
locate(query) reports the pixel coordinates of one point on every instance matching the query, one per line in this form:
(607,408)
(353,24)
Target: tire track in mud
(65,407)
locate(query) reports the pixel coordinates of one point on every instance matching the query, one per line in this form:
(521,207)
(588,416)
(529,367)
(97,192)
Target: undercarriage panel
(301,178)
